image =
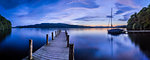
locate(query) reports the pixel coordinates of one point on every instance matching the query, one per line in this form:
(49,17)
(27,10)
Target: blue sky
(81,12)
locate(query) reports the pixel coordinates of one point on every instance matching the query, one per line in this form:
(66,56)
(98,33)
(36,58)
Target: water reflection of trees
(142,40)
(4,34)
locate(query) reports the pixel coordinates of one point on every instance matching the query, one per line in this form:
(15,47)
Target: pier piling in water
(46,39)
(71,51)
(31,49)
(52,36)
(55,33)
(66,33)
(67,40)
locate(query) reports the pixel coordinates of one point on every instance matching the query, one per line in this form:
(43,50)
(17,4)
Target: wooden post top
(30,40)
(71,45)
(31,49)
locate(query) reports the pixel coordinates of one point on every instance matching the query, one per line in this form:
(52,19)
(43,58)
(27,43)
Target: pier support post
(55,33)
(66,33)
(71,52)
(67,40)
(52,36)
(46,39)
(58,32)
(31,49)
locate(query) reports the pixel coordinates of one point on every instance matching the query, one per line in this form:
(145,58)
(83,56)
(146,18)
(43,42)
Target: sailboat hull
(116,31)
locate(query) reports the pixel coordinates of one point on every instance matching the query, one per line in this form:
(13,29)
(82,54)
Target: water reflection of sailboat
(111,44)
(114,31)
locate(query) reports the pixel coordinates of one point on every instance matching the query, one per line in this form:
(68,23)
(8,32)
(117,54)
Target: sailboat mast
(111,18)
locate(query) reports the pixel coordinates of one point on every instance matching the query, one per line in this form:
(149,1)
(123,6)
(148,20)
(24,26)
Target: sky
(78,12)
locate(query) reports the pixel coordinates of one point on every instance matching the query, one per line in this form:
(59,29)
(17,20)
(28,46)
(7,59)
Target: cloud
(88,18)
(9,4)
(126,17)
(130,3)
(122,8)
(83,3)
(126,9)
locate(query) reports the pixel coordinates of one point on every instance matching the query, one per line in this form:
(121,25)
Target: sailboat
(114,31)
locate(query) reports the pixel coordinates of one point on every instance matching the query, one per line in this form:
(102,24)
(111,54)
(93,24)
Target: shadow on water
(114,34)
(142,40)
(4,34)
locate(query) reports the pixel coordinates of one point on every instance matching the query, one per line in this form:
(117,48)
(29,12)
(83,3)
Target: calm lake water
(90,44)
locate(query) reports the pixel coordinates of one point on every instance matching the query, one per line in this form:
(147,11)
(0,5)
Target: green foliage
(4,23)
(140,20)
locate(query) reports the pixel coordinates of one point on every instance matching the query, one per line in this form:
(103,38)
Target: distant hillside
(141,20)
(52,25)
(121,26)
(62,25)
(4,23)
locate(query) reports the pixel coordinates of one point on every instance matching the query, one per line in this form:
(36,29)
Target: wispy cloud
(123,8)
(130,3)
(88,18)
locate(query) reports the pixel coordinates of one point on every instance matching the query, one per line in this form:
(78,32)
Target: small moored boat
(115,31)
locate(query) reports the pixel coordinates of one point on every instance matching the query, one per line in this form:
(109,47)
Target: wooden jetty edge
(132,31)
(56,49)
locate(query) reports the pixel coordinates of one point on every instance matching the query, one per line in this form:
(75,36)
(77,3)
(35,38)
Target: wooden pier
(56,49)
(138,31)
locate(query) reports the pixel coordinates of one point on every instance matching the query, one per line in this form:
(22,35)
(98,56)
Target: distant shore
(62,25)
